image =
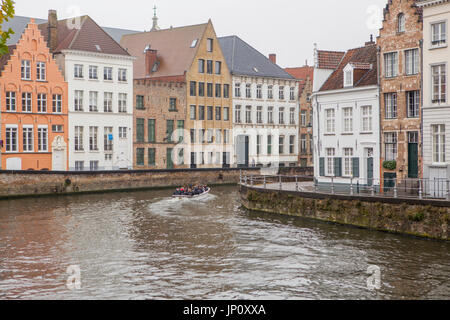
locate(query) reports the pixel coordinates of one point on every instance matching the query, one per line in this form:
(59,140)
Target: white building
(436,104)
(266,107)
(346,120)
(100,77)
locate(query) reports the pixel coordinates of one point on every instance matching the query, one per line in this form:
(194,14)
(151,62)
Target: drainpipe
(421,106)
(380,145)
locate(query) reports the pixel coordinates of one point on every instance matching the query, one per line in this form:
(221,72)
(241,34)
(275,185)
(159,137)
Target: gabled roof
(243,59)
(329,59)
(175,52)
(88,37)
(302,74)
(5,58)
(415,3)
(361,58)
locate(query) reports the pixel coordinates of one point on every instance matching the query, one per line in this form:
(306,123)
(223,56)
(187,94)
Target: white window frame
(412,61)
(438,143)
(57,103)
(78,71)
(42,138)
(123,102)
(439,39)
(25,69)
(390,64)
(28,138)
(330,121)
(348,162)
(41,71)
(13,145)
(331,153)
(93,73)
(439,96)
(122,75)
(391,146)
(347,114)
(366,119)
(27,102)
(78,100)
(78,138)
(108,102)
(93,139)
(42,103)
(11,101)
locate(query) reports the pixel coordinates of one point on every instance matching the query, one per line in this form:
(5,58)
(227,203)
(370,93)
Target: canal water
(145,245)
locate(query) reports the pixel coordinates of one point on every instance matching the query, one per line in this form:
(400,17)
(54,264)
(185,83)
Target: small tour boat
(208,190)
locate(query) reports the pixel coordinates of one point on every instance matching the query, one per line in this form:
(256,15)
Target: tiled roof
(5,58)
(329,59)
(301,73)
(243,59)
(88,37)
(360,57)
(175,52)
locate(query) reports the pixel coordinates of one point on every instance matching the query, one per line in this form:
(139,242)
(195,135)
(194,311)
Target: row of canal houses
(79,97)
(381,111)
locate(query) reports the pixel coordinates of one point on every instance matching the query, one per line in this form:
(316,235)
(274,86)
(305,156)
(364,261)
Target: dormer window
(401,22)
(348,76)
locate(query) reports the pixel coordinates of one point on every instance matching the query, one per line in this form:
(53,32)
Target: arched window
(401,22)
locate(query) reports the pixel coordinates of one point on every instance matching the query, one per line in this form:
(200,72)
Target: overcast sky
(288,28)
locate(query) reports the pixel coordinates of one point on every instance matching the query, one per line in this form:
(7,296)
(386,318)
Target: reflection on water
(146,245)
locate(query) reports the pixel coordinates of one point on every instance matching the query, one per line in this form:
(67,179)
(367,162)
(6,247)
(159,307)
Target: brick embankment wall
(422,218)
(33,183)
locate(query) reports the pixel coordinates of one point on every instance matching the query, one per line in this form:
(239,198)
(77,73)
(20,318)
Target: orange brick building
(34,120)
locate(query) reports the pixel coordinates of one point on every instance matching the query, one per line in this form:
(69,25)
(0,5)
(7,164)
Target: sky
(289,28)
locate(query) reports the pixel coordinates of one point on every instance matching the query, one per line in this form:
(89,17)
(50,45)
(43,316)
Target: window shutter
(338,167)
(355,162)
(322,167)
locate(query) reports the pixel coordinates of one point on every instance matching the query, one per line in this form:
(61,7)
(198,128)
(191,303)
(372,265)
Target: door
(242,151)
(369,171)
(413,155)
(14,164)
(58,161)
(169,159)
(226,160)
(389,181)
(193,160)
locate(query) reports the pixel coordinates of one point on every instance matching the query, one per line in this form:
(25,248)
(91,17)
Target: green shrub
(390,165)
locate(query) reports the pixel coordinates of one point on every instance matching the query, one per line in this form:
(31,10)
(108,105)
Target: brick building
(400,51)
(306,144)
(34,100)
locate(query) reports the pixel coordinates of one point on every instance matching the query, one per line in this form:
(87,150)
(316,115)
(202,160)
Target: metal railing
(392,188)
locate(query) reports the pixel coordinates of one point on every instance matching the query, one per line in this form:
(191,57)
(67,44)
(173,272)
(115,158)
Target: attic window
(194,43)
(155,67)
(255,69)
(98,47)
(401,22)
(348,77)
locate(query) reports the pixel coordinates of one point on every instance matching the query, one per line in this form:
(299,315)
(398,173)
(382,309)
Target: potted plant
(390,165)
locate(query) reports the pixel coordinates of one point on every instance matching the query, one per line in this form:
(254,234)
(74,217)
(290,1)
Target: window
(303,144)
(218,136)
(140,103)
(202,134)
(438,132)
(78,71)
(79,139)
(201,89)
(281,93)
(201,113)
(218,90)
(180,129)
(413,101)
(201,66)
(281,145)
(11,139)
(209,45)
(42,102)
(93,165)
(270,92)
(210,135)
(108,73)
(248,115)
(28,139)
(209,90)
(270,115)
(79,165)
(226,90)
(193,136)
(303,118)
(209,113)
(108,98)
(122,132)
(226,136)
(140,130)
(57,103)
(248,91)
(140,155)
(292,144)
(438,34)
(122,75)
(193,89)
(40,71)
(237,90)
(366,118)
(43,139)
(173,104)
(108,156)
(281,116)
(26,102)
(93,138)
(390,64)
(292,116)
(209,67)
(170,128)
(226,114)
(259,115)
(390,142)
(218,113)
(78,103)
(348,120)
(348,78)
(330,161)
(259,91)
(292,94)
(390,101)
(269,145)
(412,61)
(348,162)
(93,72)
(330,121)
(93,101)
(10,101)
(151,126)
(26,70)
(108,138)
(57,128)
(193,113)
(401,22)
(152,157)
(258,144)
(439,79)
(237,112)
(218,67)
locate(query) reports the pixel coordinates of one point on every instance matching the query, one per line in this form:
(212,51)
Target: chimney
(371,42)
(150,60)
(273,57)
(52,30)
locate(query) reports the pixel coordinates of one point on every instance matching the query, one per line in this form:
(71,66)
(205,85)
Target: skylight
(255,69)
(194,43)
(98,47)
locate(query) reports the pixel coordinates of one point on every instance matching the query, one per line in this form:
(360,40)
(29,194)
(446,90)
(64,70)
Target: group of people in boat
(191,190)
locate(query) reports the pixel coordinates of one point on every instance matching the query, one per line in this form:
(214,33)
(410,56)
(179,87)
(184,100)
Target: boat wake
(174,206)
